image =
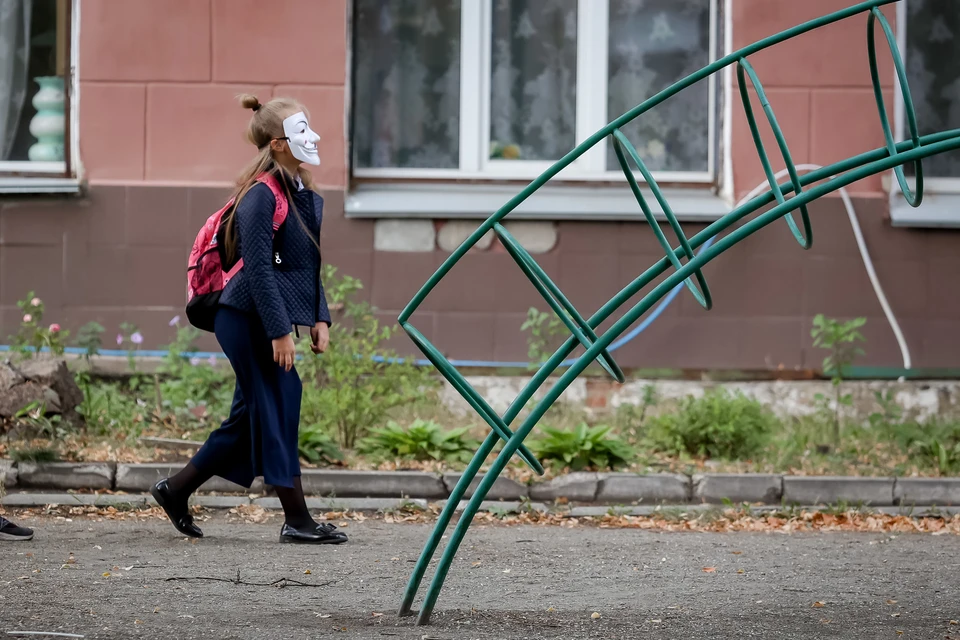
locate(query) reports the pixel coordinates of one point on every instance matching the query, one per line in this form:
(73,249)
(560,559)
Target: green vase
(48,125)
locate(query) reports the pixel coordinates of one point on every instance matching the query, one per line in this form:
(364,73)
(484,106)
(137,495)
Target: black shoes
(175,510)
(322,533)
(10,531)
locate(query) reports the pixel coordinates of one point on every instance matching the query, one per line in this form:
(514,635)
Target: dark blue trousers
(260,436)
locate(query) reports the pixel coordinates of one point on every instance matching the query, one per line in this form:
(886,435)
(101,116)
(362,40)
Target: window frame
(592,59)
(24,176)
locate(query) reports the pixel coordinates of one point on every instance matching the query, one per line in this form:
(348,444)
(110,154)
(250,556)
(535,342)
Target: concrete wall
(162,138)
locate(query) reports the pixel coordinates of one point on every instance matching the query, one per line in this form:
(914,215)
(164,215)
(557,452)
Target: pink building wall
(158,82)
(162,138)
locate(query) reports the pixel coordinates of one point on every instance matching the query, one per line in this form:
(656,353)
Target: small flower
(119,339)
(36,302)
(27,317)
(136,338)
(195,362)
(213,361)
(175,321)
(54,328)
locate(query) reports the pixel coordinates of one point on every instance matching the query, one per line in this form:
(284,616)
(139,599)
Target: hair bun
(250,101)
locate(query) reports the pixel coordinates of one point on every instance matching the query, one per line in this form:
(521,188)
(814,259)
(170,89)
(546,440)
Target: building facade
(432,113)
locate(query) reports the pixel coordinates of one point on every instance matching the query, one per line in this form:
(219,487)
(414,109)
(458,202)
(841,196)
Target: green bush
(422,440)
(187,383)
(935,443)
(354,385)
(316,446)
(717,425)
(583,448)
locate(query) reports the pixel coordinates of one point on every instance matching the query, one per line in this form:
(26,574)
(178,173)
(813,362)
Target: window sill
(938,210)
(38,185)
(599,203)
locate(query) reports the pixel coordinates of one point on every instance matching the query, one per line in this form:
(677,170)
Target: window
(929,39)
(36,128)
(932,52)
(501,89)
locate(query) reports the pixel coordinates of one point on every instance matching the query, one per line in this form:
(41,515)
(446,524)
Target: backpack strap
(279,214)
(279,194)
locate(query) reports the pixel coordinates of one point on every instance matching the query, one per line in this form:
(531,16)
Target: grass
(886,445)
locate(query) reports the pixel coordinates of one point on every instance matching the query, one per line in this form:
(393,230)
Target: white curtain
(14,63)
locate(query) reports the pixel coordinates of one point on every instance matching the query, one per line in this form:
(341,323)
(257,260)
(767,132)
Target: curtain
(407,84)
(533,97)
(652,44)
(933,70)
(14,63)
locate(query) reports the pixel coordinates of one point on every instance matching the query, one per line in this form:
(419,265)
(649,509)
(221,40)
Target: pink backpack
(206,278)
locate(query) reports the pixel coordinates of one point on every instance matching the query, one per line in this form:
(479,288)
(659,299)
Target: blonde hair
(266,125)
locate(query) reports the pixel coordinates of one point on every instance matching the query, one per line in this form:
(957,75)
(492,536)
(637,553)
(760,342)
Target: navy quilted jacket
(280,278)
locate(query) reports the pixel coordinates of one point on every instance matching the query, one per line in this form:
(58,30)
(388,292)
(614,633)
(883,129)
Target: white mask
(302,139)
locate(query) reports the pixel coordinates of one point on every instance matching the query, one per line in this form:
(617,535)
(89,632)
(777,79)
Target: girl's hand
(284,351)
(320,337)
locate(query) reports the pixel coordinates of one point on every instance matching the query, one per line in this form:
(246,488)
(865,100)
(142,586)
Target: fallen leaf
(105,574)
(709,569)
(819,605)
(306,572)
(157,610)
(138,622)
(737,553)
(550,609)
(29,555)
(595,615)
(475,564)
(955,622)
(899,633)
(891,602)
(740,571)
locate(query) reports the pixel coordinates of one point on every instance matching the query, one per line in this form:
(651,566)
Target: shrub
(840,338)
(718,425)
(583,448)
(188,383)
(547,332)
(34,454)
(317,446)
(935,443)
(33,335)
(422,440)
(358,381)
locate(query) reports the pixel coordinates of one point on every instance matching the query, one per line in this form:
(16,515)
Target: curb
(375,505)
(626,489)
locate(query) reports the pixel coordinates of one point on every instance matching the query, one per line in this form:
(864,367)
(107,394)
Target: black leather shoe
(318,534)
(176,511)
(331,530)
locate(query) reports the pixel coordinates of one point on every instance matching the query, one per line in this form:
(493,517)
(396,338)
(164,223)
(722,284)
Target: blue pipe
(478,364)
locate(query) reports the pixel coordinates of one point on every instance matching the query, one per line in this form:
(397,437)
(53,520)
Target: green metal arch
(817,184)
(805,237)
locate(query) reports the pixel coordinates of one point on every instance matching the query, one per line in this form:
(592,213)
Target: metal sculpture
(804,189)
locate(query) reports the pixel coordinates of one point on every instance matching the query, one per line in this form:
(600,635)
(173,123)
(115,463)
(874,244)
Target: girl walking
(277,288)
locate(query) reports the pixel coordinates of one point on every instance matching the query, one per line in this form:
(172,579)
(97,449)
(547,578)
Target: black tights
(295,511)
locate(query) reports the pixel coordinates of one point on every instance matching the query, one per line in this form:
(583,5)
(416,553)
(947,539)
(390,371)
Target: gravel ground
(508,582)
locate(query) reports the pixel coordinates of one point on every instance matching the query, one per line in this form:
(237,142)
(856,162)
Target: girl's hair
(265,126)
